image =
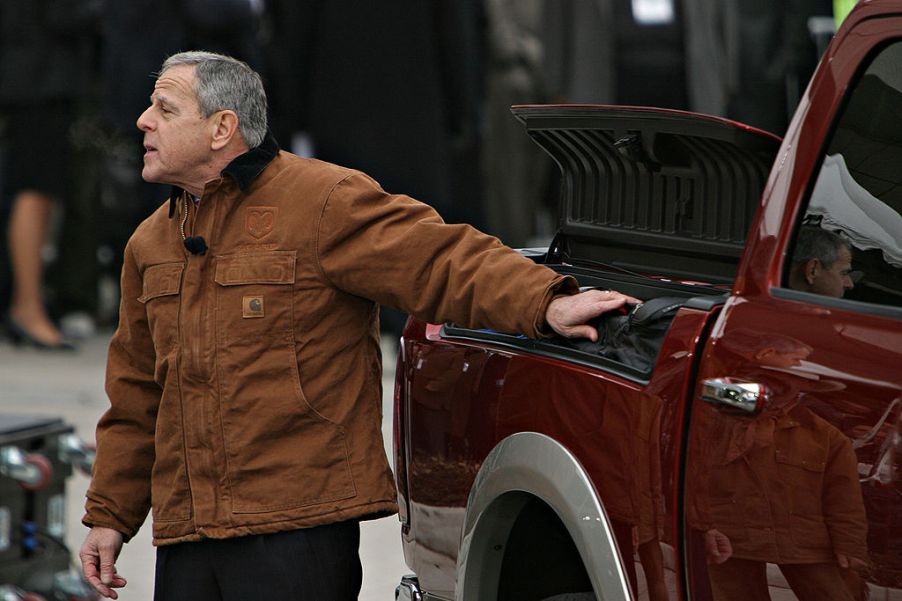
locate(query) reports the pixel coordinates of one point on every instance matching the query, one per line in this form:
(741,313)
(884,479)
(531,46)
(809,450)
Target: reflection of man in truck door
(782,488)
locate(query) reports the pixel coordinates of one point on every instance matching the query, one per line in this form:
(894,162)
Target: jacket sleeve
(119,494)
(843,504)
(398,252)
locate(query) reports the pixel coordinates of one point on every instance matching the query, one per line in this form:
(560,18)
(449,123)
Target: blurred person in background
(743,60)
(397,95)
(44,70)
(516,174)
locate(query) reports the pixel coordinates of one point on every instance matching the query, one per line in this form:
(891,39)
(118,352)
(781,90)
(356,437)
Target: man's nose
(143,121)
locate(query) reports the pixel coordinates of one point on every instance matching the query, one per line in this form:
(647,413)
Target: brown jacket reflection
(245,383)
(782,486)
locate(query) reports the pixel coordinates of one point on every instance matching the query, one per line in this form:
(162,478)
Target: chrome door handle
(747,397)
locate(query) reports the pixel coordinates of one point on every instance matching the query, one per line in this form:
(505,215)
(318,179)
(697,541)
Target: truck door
(792,486)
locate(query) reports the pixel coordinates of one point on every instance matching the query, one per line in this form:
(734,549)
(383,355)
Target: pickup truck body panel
(463,398)
(668,466)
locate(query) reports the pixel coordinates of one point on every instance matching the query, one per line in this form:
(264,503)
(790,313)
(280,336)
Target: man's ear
(764,353)
(810,270)
(225,129)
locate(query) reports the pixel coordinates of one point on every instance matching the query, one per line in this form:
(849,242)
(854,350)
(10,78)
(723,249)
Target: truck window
(849,241)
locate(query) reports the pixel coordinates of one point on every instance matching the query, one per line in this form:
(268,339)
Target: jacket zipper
(195,344)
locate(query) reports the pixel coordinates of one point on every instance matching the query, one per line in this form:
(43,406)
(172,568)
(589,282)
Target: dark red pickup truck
(736,436)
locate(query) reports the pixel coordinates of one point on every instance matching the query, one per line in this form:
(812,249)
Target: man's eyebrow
(161,98)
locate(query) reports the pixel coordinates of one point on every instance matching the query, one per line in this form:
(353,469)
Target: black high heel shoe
(22,337)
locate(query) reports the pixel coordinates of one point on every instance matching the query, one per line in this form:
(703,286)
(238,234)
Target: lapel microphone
(196,245)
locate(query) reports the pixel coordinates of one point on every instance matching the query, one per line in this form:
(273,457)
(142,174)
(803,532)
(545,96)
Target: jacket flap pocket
(813,460)
(161,280)
(263,268)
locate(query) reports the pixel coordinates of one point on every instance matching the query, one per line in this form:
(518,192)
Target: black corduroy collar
(244,168)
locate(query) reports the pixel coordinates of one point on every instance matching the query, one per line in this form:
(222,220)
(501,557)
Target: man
(244,377)
(821,263)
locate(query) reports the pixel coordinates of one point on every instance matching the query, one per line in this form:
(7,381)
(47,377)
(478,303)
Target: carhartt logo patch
(260,221)
(252,306)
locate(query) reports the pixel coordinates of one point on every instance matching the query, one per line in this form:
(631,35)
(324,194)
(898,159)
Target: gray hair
(817,243)
(224,83)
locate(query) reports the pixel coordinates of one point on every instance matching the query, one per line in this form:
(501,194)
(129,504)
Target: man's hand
(849,562)
(567,315)
(717,546)
(98,560)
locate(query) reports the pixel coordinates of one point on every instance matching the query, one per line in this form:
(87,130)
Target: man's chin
(150,177)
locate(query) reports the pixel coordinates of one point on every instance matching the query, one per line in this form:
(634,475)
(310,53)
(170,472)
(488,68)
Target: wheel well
(540,559)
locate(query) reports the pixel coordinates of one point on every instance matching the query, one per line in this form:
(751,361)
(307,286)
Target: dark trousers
(311,564)
(746,580)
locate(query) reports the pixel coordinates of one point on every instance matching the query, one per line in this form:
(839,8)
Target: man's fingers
(98,558)
(107,569)
(101,588)
(89,566)
(609,304)
(614,295)
(583,332)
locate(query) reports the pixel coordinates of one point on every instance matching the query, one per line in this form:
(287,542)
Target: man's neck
(214,169)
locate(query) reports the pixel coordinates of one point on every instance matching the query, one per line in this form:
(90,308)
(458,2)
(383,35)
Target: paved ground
(70,386)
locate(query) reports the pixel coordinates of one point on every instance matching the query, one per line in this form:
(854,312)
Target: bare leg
(28,226)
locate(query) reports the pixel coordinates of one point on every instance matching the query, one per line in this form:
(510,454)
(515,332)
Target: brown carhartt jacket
(245,383)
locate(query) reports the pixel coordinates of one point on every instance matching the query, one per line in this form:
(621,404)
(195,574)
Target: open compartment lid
(653,191)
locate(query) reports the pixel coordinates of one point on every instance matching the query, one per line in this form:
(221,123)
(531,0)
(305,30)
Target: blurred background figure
(747,61)
(516,174)
(392,89)
(616,52)
(45,63)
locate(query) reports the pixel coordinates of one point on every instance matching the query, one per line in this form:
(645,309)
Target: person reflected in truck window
(821,263)
(245,375)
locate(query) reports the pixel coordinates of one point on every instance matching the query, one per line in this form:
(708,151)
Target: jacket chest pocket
(254,294)
(803,468)
(160,296)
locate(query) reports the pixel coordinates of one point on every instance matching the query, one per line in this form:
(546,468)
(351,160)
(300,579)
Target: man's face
(176,135)
(835,280)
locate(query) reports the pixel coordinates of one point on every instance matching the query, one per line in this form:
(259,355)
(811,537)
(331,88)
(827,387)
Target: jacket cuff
(91,524)
(100,517)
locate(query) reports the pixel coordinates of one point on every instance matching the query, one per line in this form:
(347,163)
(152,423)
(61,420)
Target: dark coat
(45,48)
(389,88)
